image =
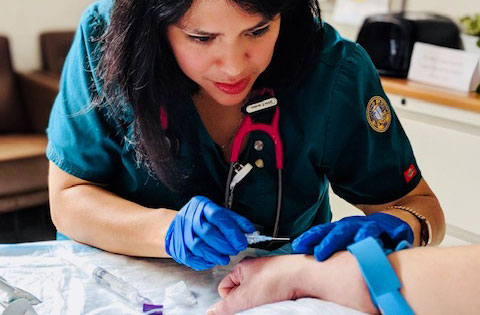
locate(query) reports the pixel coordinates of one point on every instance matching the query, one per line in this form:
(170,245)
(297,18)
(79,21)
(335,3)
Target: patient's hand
(258,281)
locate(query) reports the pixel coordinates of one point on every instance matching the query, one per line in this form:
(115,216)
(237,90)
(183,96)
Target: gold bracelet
(425,226)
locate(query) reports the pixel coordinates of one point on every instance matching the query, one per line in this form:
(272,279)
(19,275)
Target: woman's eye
(260,32)
(200,39)
(207,39)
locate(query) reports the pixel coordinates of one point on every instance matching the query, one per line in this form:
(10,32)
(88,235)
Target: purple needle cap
(150,307)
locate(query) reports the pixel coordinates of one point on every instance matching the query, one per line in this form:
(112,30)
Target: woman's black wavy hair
(137,67)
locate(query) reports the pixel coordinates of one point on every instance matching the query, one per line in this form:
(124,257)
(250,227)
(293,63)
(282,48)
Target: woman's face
(223,48)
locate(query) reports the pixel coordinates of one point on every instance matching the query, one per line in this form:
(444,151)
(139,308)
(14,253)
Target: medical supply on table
(19,307)
(119,286)
(380,277)
(254,109)
(9,293)
(179,293)
(256,237)
(115,285)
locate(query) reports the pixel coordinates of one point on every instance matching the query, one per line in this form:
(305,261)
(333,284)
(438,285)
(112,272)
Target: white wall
(23,20)
(454,9)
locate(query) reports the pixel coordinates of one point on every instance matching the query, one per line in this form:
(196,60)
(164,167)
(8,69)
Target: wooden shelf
(467,101)
(22,146)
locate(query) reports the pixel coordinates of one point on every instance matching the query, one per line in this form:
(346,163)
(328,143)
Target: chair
(25,103)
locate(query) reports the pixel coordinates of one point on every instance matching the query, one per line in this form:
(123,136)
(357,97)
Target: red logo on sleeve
(410,173)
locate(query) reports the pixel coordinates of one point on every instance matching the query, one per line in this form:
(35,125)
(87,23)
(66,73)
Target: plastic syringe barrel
(256,237)
(118,286)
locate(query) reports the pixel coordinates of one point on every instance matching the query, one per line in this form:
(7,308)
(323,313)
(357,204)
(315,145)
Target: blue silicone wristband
(380,277)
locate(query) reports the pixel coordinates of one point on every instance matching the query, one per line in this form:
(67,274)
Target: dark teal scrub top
(338,127)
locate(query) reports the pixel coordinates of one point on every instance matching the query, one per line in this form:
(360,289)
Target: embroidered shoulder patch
(379,115)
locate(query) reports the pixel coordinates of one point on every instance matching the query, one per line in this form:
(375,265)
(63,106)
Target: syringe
(256,237)
(119,286)
(112,283)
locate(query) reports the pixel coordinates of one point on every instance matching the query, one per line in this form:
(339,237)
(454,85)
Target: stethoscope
(255,107)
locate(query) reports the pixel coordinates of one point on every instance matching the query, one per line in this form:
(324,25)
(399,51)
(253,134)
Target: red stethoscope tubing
(272,130)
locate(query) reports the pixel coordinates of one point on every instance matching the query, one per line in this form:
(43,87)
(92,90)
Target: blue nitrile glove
(324,240)
(204,234)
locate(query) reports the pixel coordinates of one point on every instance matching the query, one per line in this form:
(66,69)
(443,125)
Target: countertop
(467,101)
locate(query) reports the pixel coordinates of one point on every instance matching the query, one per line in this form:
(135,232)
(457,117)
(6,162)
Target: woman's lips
(234,88)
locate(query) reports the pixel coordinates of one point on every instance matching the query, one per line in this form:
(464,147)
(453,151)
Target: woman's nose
(233,60)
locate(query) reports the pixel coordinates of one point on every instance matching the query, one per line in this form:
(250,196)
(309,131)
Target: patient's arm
(434,281)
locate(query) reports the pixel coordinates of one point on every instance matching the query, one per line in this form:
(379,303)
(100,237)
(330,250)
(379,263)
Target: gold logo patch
(379,115)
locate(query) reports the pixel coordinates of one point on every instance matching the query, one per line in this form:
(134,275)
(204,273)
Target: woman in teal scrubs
(141,133)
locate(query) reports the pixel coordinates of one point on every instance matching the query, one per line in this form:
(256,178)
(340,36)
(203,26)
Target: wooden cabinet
(446,142)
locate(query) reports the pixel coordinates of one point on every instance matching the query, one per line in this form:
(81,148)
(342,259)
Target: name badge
(252,108)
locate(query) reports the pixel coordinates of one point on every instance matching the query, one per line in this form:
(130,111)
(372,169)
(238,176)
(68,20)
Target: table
(64,289)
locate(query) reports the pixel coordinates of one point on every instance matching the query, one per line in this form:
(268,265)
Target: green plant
(471,25)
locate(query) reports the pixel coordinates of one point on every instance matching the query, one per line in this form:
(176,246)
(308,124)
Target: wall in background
(451,8)
(23,20)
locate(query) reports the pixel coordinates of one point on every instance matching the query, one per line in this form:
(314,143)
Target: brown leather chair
(42,86)
(54,47)
(23,165)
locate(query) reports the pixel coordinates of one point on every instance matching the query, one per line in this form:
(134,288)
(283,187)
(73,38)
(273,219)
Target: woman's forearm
(423,201)
(338,279)
(95,216)
(429,207)
(440,280)
(92,215)
(434,280)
